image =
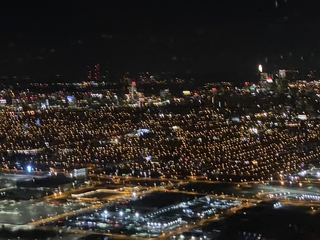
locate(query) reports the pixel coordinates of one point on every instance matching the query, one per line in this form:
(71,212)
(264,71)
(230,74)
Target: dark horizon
(46,39)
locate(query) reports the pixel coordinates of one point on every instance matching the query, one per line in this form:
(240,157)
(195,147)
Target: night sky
(43,39)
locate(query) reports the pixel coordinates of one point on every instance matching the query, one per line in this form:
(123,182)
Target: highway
(86,232)
(226,197)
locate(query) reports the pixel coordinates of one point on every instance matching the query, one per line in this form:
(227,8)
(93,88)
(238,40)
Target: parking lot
(145,217)
(23,212)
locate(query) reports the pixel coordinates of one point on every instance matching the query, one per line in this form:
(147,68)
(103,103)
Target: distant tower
(133,90)
(89,74)
(97,72)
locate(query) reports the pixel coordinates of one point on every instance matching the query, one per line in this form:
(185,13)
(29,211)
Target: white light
(121,213)
(137,214)
(260,68)
(29,168)
(254,130)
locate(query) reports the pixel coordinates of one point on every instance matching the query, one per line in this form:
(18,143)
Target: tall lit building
(97,72)
(282,73)
(89,74)
(133,90)
(93,73)
(263,76)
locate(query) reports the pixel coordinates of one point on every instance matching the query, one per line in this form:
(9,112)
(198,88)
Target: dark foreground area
(268,223)
(26,234)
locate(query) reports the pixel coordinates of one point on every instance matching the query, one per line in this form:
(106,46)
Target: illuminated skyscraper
(93,73)
(97,72)
(282,73)
(133,90)
(89,74)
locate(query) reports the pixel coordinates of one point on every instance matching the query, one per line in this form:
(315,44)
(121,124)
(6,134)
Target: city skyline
(172,120)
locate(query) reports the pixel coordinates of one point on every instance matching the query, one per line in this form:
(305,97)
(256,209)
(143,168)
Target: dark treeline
(27,234)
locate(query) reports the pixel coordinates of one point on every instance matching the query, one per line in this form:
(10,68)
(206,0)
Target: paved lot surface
(23,212)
